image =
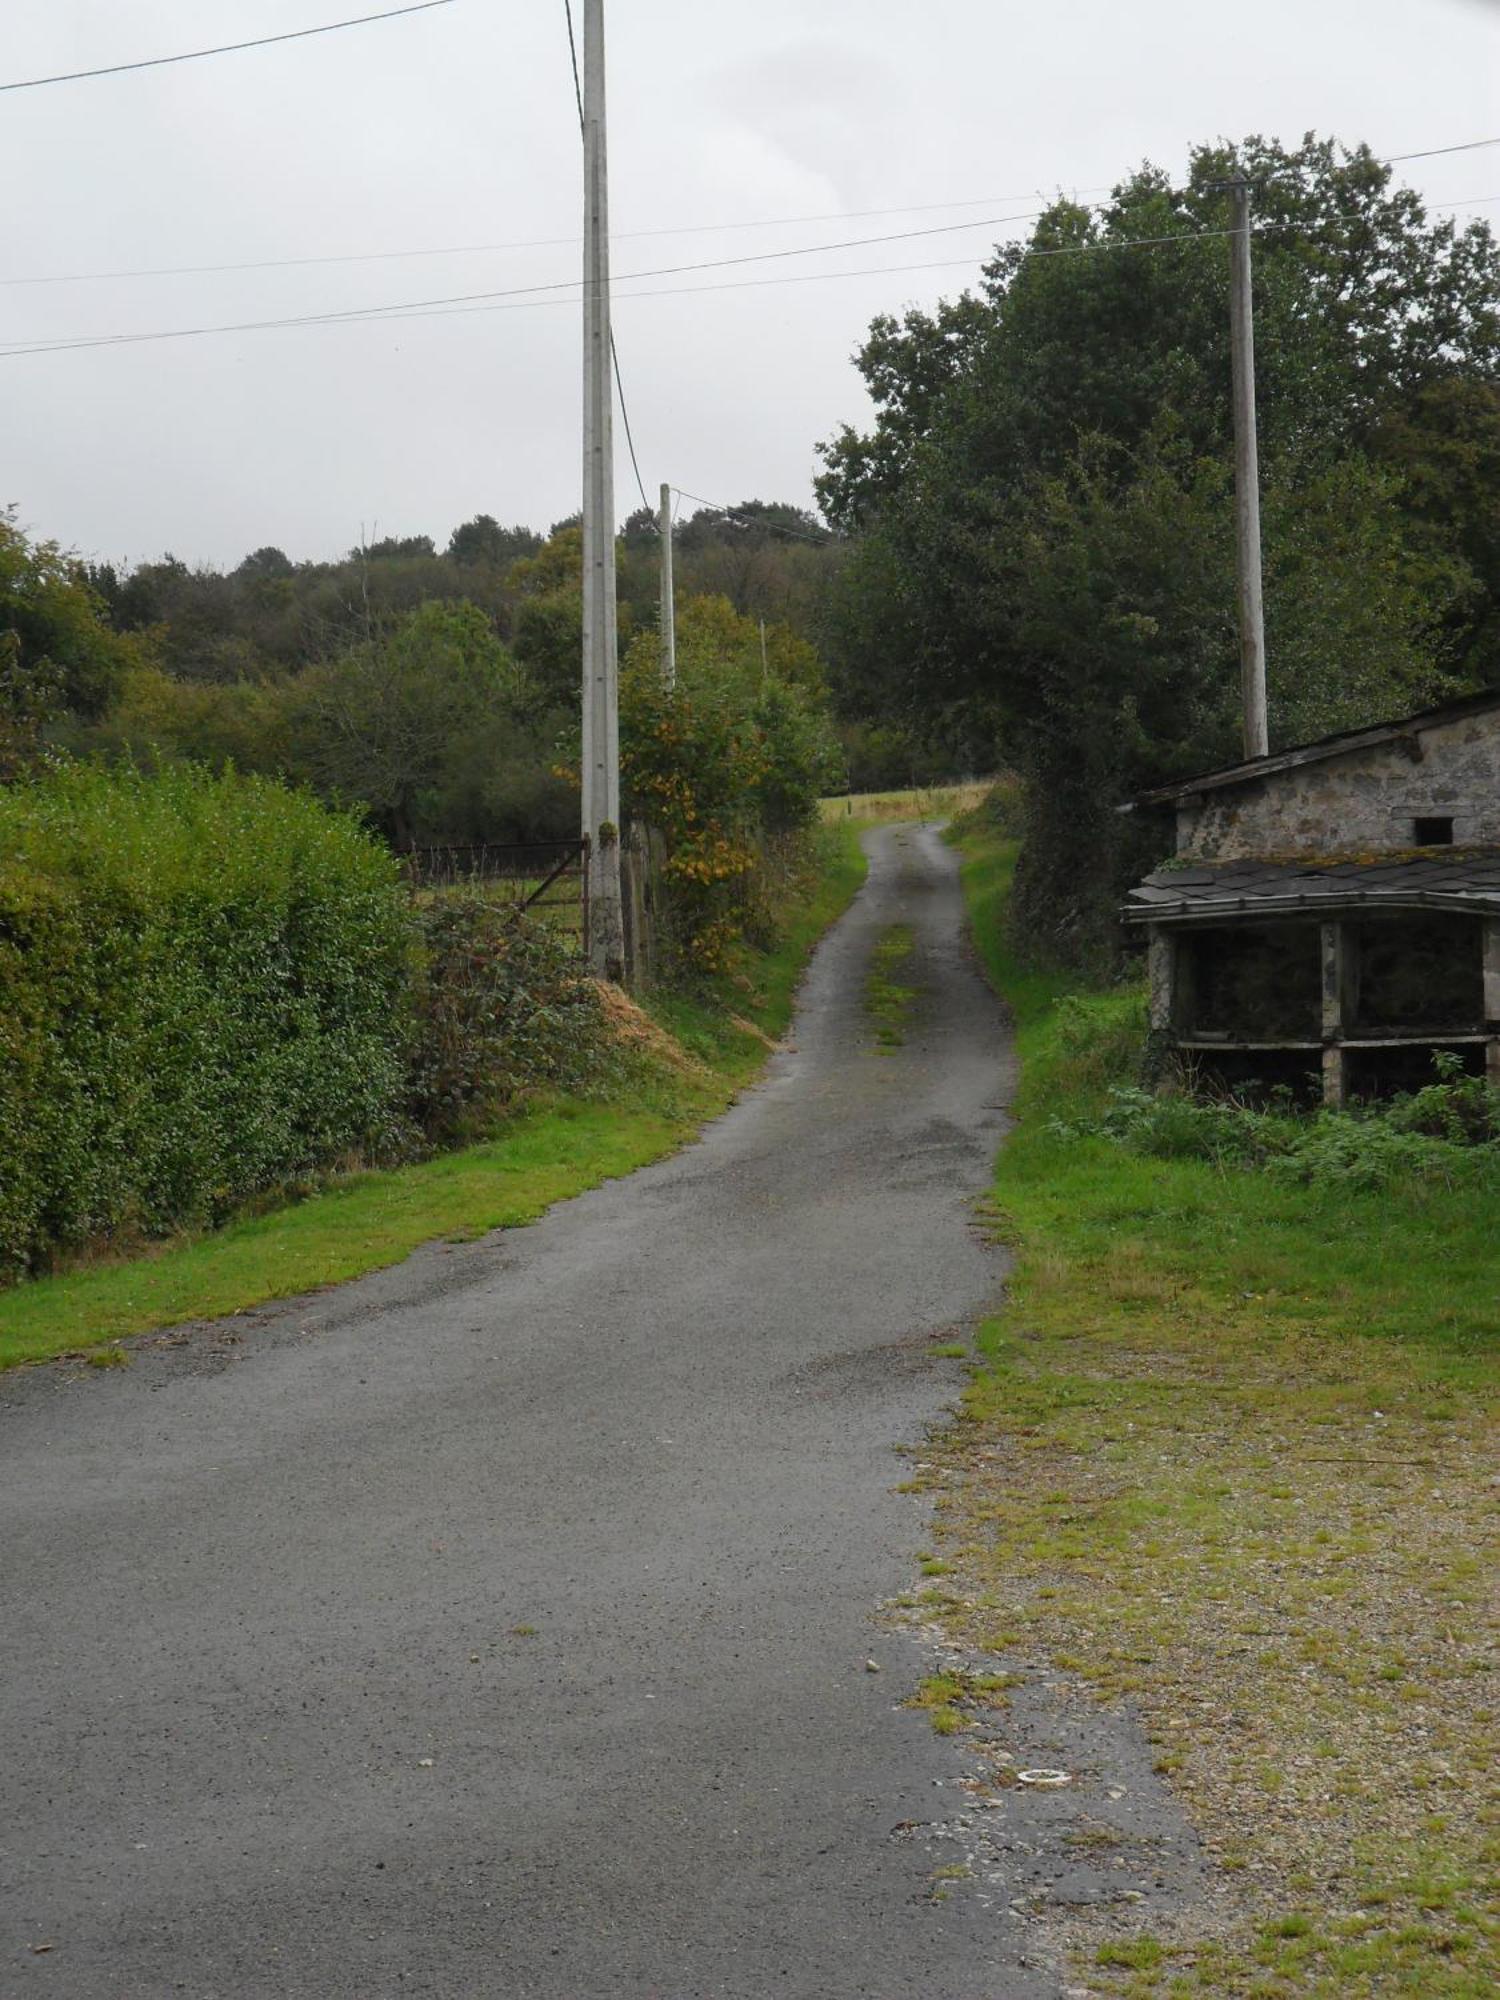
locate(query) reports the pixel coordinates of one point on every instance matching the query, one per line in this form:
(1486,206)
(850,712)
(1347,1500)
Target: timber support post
(1492,999)
(1338,1012)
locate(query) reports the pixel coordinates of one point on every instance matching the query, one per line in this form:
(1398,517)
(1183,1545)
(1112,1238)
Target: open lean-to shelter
(1334,909)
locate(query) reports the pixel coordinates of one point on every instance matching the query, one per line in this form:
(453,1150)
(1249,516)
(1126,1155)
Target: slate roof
(1338,745)
(1451,878)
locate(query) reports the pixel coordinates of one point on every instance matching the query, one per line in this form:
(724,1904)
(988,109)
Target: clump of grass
(888,1001)
(954,1698)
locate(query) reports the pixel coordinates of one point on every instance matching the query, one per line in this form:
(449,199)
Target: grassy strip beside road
(1229,1454)
(546,1153)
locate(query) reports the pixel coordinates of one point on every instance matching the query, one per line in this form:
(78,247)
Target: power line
(754,521)
(1437,152)
(623,235)
(399,306)
(523,243)
(573,53)
(226,48)
(550,294)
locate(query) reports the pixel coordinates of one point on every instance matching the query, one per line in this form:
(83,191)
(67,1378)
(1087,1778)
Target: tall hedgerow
(204,992)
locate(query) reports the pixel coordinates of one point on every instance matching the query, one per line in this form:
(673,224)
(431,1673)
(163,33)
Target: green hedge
(204,992)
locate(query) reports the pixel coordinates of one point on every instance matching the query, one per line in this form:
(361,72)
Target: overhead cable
(753,521)
(522,297)
(550,295)
(400,306)
(225,48)
(622,235)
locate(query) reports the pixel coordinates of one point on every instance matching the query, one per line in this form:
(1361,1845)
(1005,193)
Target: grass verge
(545,1153)
(1229,1455)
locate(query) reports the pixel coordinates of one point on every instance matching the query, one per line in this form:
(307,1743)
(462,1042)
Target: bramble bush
(503,1006)
(204,992)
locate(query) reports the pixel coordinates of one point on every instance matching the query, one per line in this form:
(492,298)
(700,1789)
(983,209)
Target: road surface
(499,1625)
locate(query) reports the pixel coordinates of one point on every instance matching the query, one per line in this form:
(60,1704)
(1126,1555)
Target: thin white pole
(1247,479)
(668,597)
(601,704)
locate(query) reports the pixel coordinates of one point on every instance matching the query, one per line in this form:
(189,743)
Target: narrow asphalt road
(498,1626)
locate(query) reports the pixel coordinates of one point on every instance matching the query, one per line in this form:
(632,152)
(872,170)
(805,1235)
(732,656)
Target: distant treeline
(271,614)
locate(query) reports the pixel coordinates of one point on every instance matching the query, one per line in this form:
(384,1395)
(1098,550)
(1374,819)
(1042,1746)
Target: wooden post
(1337,1014)
(1164,960)
(1492,999)
(1161,967)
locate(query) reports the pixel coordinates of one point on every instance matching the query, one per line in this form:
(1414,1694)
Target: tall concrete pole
(601,697)
(1247,478)
(668,598)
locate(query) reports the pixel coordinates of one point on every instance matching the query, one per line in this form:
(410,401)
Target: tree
(396,546)
(483,543)
(266,562)
(741,749)
(1043,506)
(384,722)
(58,655)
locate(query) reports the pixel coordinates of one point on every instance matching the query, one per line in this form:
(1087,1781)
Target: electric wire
(523,296)
(751,521)
(225,48)
(618,236)
(1438,152)
(457,304)
(400,306)
(525,243)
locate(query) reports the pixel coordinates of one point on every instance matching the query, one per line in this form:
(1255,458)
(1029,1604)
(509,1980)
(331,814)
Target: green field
(922,802)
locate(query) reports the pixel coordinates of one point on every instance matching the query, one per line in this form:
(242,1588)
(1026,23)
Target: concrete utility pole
(668,598)
(601,690)
(1247,477)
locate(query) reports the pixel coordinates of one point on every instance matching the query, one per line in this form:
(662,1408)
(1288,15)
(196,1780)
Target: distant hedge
(205,991)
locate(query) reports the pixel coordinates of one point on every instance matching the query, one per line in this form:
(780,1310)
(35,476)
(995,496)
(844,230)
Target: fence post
(584,927)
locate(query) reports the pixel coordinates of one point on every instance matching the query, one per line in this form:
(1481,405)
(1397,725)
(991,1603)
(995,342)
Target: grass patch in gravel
(1230,1457)
(888,1001)
(549,1151)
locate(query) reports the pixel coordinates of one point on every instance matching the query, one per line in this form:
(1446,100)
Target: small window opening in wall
(1434,832)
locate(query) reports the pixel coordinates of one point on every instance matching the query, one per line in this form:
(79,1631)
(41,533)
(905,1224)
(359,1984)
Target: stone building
(1334,909)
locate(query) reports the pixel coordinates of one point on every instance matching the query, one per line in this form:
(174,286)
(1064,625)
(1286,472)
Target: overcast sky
(457,127)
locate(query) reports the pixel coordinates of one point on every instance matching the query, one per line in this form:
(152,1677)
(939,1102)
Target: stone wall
(1365,801)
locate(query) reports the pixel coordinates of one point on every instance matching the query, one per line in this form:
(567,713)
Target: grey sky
(458,127)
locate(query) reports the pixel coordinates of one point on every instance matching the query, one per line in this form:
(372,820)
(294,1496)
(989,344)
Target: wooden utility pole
(601,693)
(668,598)
(1247,477)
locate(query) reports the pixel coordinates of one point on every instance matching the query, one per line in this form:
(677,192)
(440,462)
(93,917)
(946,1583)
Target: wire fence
(549,878)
